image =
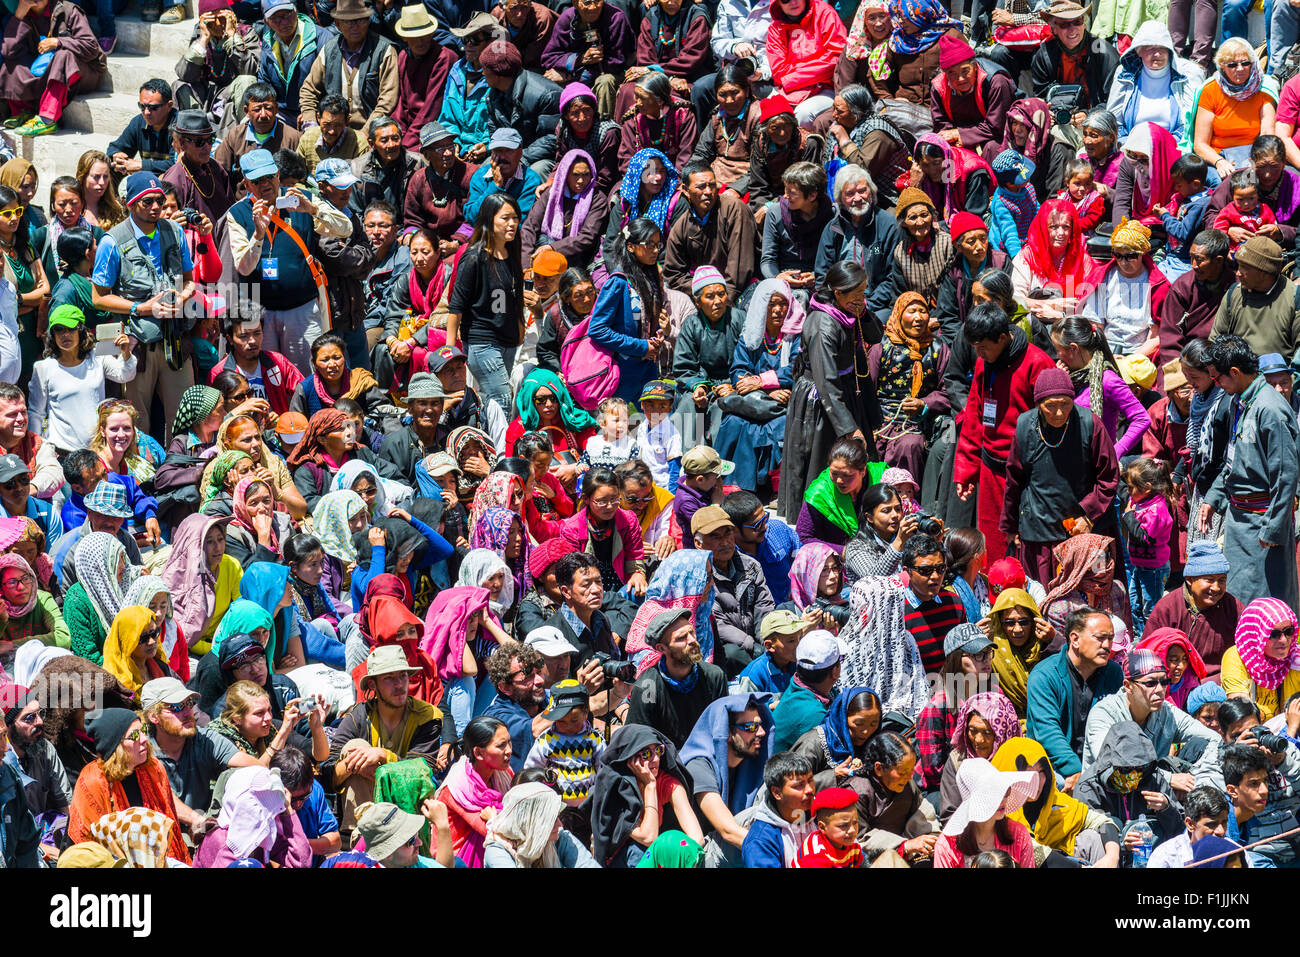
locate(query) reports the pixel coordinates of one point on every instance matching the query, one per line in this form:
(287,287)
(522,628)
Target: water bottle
(1142,853)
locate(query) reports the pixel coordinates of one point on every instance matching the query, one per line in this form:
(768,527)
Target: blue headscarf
(930,15)
(708,740)
(264,583)
(684,574)
(836,723)
(630,190)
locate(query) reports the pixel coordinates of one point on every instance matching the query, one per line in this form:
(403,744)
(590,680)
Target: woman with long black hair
(22,267)
(631,311)
(833,397)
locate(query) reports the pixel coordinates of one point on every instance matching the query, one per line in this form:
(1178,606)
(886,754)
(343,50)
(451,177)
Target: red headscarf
(395,586)
(1160,147)
(386,616)
(1074,276)
(1162,639)
(311,449)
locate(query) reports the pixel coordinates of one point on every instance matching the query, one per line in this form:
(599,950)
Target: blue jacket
(522,188)
(616,329)
(464,114)
(1050,707)
(1180,230)
(518,723)
(762,846)
(762,675)
(73,512)
(776,555)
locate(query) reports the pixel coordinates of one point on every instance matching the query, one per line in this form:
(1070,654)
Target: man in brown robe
(77,66)
(717,230)
(260,129)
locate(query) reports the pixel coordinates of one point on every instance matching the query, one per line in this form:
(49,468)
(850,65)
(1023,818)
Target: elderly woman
(956,179)
(779,143)
(973,255)
(923,254)
(1097,142)
(804,43)
(762,374)
(1153,84)
(904,67)
(1130,293)
(1086,578)
(103,576)
(907,367)
(703,352)
(675,37)
(1144,180)
(1029,133)
(658,122)
(728,134)
(861,136)
(1053,272)
(1263,665)
(570,213)
(202,578)
(1234,107)
(649,189)
(580,129)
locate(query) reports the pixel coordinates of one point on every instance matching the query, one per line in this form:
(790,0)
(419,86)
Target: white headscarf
(882,653)
(95,562)
(756,316)
(30,658)
(253,799)
(528,815)
(478,566)
(142,591)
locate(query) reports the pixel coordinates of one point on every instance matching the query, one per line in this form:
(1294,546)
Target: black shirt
(488,296)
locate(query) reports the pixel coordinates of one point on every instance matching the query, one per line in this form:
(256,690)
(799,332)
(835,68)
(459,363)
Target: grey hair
(848,175)
(377,123)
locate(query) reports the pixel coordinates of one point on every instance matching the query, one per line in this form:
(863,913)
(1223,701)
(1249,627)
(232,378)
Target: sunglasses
(13,213)
(653,751)
(153,200)
(524,673)
(749,727)
(184,706)
(545,400)
(1127,257)
(1153,682)
(150,107)
(929,571)
(14,485)
(1287,632)
(640,499)
(199,140)
(757,526)
(1236,64)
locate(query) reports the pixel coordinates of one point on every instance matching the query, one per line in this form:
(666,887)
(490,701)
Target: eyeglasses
(605,502)
(1127,256)
(749,727)
(656,245)
(150,107)
(1153,682)
(929,571)
(13,213)
(1236,64)
(1286,632)
(1017,622)
(149,636)
(184,706)
(650,751)
(199,140)
(24,579)
(985,655)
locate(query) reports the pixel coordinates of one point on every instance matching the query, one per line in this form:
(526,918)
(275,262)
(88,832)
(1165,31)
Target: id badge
(271,268)
(990,413)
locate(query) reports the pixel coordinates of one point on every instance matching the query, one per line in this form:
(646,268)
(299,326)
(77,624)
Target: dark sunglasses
(1153,682)
(1128,256)
(150,107)
(199,140)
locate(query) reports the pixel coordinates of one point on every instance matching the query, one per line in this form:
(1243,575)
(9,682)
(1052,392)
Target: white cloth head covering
(95,561)
(253,799)
(30,658)
(528,815)
(352,471)
(982,788)
(142,591)
(478,566)
(756,315)
(881,652)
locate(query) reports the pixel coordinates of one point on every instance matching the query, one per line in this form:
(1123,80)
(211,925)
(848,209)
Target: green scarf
(227,730)
(571,414)
(406,784)
(672,849)
(220,469)
(834,504)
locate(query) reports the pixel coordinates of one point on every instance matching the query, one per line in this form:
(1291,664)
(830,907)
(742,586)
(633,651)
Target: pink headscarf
(444,627)
(468,789)
(1253,629)
(11,529)
(995,708)
(20,563)
(805,572)
(553,219)
(193,588)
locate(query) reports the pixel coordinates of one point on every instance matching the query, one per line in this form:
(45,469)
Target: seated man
(671,696)
(515,672)
(392,265)
(84,470)
(333,138)
(412,443)
(772,671)
(505,172)
(1242,727)
(307,800)
(355,51)
(49,792)
(544,598)
(653,507)
(1205,812)
(719,232)
(464,406)
(106,511)
(932,610)
(1261,306)
(385,172)
(261,128)
(149,134)
(522,100)
(579,617)
(20,838)
(41,457)
(291,42)
(810,692)
(271,376)
(1063,688)
(768,539)
(782,816)
(742,595)
(1245,777)
(464,101)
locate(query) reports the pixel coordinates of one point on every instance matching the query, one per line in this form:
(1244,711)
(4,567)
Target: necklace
(772,346)
(207,195)
(1050,445)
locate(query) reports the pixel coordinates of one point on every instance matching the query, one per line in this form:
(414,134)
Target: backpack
(589,371)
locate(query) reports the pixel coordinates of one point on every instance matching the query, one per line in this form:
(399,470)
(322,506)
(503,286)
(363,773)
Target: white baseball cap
(550,641)
(819,649)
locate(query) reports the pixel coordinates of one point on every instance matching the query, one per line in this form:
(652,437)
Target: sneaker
(16,121)
(173,14)
(108,44)
(37,126)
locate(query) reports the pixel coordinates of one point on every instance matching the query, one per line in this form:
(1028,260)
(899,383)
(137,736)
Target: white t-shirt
(1126,306)
(659,446)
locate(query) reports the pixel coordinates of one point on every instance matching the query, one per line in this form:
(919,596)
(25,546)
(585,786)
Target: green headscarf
(217,478)
(242,617)
(671,849)
(330,523)
(839,508)
(197,403)
(406,784)
(571,414)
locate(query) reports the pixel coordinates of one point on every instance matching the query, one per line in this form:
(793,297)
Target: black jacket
(347,262)
(383,182)
(532,109)
(1099,69)
(870,244)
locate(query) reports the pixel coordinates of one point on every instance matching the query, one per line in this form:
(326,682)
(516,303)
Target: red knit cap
(834,799)
(954,50)
(547,554)
(962,223)
(1005,573)
(1051,383)
(774,105)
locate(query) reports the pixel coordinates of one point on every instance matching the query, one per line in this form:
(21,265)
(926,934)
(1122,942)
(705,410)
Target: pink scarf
(1253,628)
(425,300)
(468,789)
(17,561)
(553,220)
(444,628)
(806,571)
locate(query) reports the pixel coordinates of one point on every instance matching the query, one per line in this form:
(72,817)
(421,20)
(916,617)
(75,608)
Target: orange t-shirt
(1236,122)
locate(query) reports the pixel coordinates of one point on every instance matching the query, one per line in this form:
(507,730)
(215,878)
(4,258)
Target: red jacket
(803,55)
(279,376)
(1012,389)
(631,546)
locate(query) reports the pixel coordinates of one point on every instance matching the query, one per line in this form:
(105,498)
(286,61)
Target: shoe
(37,126)
(149,12)
(16,121)
(173,14)
(108,44)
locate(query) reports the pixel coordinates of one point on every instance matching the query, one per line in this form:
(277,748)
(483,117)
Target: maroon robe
(433,203)
(78,61)
(420,82)
(532,37)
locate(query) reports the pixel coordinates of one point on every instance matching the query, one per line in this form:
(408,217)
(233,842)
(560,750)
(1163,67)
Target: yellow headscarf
(123,638)
(1062,817)
(1132,236)
(1012,664)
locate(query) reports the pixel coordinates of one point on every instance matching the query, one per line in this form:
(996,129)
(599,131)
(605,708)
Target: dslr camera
(1268,740)
(624,671)
(927,524)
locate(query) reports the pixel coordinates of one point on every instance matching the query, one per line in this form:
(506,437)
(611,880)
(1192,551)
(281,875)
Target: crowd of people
(766,433)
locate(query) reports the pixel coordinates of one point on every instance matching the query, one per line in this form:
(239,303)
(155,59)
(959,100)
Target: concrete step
(103,113)
(127,72)
(165,40)
(55,155)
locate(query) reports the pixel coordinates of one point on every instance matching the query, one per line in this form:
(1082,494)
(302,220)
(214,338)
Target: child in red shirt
(1245,211)
(835,842)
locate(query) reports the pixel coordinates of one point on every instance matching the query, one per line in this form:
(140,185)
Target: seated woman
(78,63)
(864,137)
(1053,273)
(381,495)
(871,28)
(247,722)
(631,310)
(1183,664)
(638,793)
(839,743)
(1086,578)
(312,601)
(133,651)
(832,504)
(93,601)
(1021,637)
(256,532)
(227,470)
(1029,133)
(1130,293)
(923,254)
(907,367)
(893,814)
(150,591)
(779,143)
(804,44)
(965,669)
(675,37)
(126,774)
(475,455)
(1144,181)
(194,432)
(984,722)
(123,447)
(609,533)
(527,832)
(649,189)
(202,578)
(458,635)
(331,379)
(909,61)
(338,516)
(751,434)
(877,548)
(243,654)
(324,449)
(994,796)
(500,531)
(1154,84)
(543,403)
(242,432)
(702,354)
(570,213)
(580,129)
(1098,144)
(727,136)
(27,613)
(1099,387)
(577,294)
(1263,666)
(956,179)
(475,785)
(658,121)
(817,587)
(1236,105)
(415,323)
(257,821)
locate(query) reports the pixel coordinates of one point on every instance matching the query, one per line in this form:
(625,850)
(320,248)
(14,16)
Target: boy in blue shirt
(1185,215)
(771,671)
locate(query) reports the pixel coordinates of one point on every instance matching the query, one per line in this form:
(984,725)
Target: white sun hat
(983,788)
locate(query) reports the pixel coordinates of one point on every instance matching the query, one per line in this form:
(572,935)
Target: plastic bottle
(1142,853)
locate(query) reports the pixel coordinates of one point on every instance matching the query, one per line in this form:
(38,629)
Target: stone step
(127,72)
(165,40)
(55,155)
(102,113)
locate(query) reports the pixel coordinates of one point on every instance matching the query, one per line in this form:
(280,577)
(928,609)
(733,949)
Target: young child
(1245,211)
(570,750)
(701,483)
(1205,812)
(614,445)
(835,842)
(1015,204)
(771,671)
(1082,190)
(905,486)
(1203,704)
(996,858)
(1185,214)
(657,438)
(1147,522)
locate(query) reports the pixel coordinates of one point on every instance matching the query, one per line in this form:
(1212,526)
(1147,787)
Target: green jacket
(44,623)
(82,621)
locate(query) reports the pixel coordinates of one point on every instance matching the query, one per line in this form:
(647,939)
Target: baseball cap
(257,163)
(1142,662)
(660,390)
(709,519)
(69,316)
(504,138)
(549,263)
(550,641)
(270,6)
(818,649)
(441,463)
(703,460)
(439,358)
(11,466)
(336,172)
(165,691)
(966,638)
(291,427)
(780,622)
(565,696)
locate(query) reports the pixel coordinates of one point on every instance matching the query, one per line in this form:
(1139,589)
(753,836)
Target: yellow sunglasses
(13,213)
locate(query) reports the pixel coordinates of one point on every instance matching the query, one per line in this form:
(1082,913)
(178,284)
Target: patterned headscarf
(630,190)
(1035,114)
(142,591)
(683,580)
(197,403)
(480,565)
(18,562)
(138,835)
(995,708)
(95,562)
(459,440)
(1253,630)
(859,45)
(1131,236)
(330,523)
(553,218)
(220,469)
(1087,564)
(1253,82)
(882,652)
(496,490)
(930,15)
(916,346)
(491,530)
(806,570)
(347,476)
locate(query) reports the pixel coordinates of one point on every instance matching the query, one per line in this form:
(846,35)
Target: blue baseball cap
(270,6)
(336,172)
(258,163)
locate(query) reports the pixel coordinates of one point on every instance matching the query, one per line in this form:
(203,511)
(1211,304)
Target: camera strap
(317,272)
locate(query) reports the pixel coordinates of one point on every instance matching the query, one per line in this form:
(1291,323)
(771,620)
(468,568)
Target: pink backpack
(588,370)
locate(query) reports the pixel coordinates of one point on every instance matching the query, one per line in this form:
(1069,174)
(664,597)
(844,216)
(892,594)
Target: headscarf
(882,653)
(491,530)
(384,583)
(807,567)
(142,591)
(995,708)
(471,793)
(553,217)
(197,403)
(459,439)
(755,329)
(243,617)
(672,849)
(251,805)
(11,531)
(221,466)
(123,638)
(930,15)
(630,190)
(916,347)
(243,516)
(616,800)
(11,560)
(523,828)
(1058,817)
(571,414)
(330,522)
(407,784)
(496,490)
(445,624)
(14,172)
(31,657)
(1037,115)
(1154,185)
(679,582)
(347,476)
(959,165)
(1011,664)
(311,449)
(1131,235)
(840,509)
(710,739)
(387,615)
(1077,556)
(137,835)
(1253,629)
(480,565)
(1243,92)
(859,42)
(192,586)
(1159,641)
(95,562)
(835,726)
(1077,268)
(26,529)
(264,583)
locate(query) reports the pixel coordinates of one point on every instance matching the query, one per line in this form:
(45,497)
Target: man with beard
(41,457)
(463,405)
(392,263)
(1193,299)
(718,231)
(435,195)
(408,446)
(201,182)
(422,70)
(725,755)
(193,757)
(671,696)
(261,128)
(386,171)
(1279,190)
(48,788)
(518,674)
(862,234)
(20,838)
(742,594)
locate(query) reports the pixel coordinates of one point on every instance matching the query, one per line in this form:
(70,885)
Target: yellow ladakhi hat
(1137,370)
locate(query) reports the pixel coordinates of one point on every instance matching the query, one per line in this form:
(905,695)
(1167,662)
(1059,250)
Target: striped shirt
(930,621)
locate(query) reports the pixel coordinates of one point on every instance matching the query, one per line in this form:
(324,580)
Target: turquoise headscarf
(242,617)
(574,417)
(264,583)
